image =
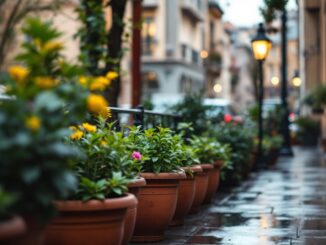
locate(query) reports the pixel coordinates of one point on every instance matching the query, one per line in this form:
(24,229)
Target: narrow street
(284,205)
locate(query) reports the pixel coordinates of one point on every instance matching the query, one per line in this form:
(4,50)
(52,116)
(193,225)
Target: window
(148,36)
(184,51)
(185,84)
(150,83)
(194,56)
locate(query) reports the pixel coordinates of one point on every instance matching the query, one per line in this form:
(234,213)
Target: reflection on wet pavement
(283,205)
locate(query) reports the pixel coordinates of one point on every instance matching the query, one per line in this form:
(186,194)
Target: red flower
(227,118)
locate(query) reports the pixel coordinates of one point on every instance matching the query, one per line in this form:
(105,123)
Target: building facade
(313,47)
(313,41)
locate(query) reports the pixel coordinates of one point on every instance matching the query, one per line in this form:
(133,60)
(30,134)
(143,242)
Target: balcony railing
(144,118)
(193,9)
(150,3)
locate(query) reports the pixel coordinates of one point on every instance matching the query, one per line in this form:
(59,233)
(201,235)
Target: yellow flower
(111,75)
(76,135)
(83,80)
(99,83)
(18,73)
(45,82)
(52,45)
(103,143)
(73,128)
(89,127)
(105,113)
(33,123)
(96,103)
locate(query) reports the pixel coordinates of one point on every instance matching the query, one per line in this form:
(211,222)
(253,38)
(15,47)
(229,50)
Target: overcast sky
(244,12)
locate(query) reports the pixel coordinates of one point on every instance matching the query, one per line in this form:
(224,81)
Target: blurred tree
(101,48)
(12,12)
(270,7)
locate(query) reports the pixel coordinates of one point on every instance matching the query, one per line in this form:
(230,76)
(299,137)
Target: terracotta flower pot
(34,234)
(201,183)
(213,181)
(156,207)
(130,220)
(95,222)
(11,230)
(273,156)
(186,196)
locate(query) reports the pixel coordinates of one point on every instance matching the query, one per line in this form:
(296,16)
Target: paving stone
(283,205)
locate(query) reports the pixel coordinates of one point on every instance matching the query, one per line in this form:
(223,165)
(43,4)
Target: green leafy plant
(309,130)
(109,165)
(210,150)
(46,98)
(6,200)
(316,99)
(240,138)
(192,110)
(164,150)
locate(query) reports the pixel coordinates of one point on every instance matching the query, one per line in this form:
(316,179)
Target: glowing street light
(218,88)
(296,80)
(204,54)
(275,81)
(261,46)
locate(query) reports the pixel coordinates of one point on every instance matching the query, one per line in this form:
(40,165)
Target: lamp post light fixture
(261,46)
(275,81)
(218,88)
(296,80)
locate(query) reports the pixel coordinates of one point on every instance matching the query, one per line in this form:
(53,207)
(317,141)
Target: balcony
(192,9)
(213,64)
(313,4)
(150,4)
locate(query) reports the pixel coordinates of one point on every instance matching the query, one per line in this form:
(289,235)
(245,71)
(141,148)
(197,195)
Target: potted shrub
(45,100)
(186,193)
(161,169)
(316,99)
(101,201)
(275,143)
(240,138)
(309,131)
(11,227)
(214,153)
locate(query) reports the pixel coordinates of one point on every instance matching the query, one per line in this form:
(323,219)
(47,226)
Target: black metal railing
(141,117)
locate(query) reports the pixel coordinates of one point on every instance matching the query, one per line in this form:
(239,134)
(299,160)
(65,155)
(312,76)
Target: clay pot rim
(218,163)
(207,166)
(164,175)
(194,168)
(12,226)
(129,200)
(139,182)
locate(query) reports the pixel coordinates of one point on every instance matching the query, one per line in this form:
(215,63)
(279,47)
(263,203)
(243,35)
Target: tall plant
(46,98)
(102,49)
(270,7)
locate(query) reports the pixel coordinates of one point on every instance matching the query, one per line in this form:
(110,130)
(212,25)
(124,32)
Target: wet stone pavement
(283,205)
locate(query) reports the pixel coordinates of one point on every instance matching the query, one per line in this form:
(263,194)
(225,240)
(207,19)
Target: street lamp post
(286,149)
(261,46)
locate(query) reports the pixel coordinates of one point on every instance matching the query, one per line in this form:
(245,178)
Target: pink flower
(136,155)
(227,118)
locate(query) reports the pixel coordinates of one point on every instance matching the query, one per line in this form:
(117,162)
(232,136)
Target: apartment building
(218,61)
(272,66)
(313,47)
(313,41)
(172,39)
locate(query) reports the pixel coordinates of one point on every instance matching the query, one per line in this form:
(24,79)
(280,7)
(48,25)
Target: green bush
(45,99)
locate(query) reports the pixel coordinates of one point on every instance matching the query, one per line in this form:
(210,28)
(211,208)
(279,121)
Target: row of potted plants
(68,177)
(64,171)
